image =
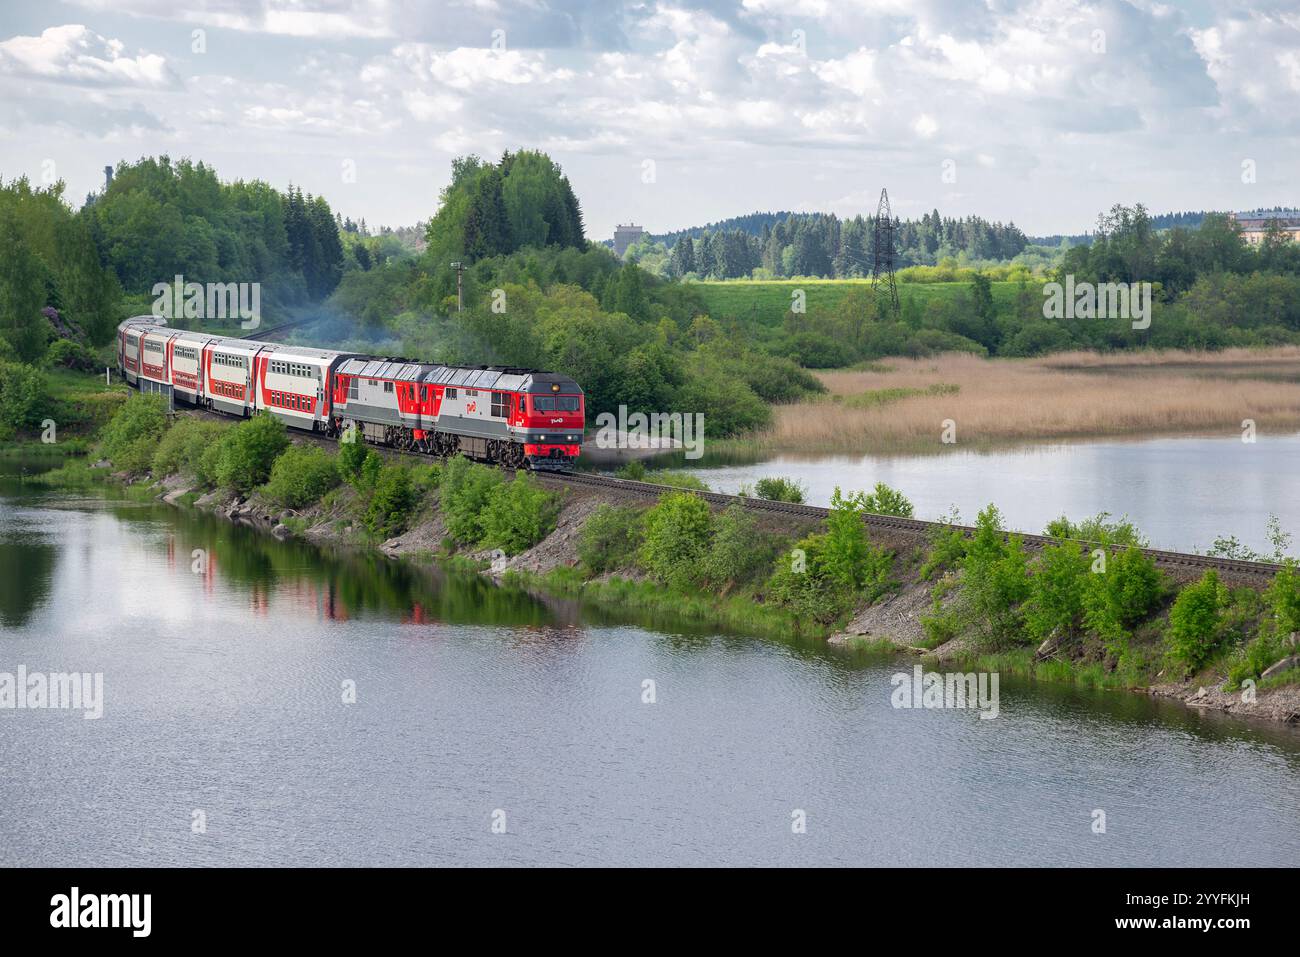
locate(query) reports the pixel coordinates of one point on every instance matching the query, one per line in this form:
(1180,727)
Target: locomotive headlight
(555,387)
(541,438)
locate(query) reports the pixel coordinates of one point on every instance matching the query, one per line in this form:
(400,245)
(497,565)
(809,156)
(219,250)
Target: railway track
(274,331)
(919,527)
(1172,560)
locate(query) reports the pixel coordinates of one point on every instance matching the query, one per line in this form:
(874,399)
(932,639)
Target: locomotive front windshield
(555,403)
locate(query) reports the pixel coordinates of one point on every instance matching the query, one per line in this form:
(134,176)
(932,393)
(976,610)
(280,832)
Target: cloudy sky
(671,113)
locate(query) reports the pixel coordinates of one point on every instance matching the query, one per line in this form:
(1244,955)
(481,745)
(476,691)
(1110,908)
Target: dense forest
(68,276)
(777,245)
(493,209)
(1211,290)
(537,294)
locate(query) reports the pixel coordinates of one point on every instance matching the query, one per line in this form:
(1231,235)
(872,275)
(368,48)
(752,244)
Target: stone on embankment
(1286,664)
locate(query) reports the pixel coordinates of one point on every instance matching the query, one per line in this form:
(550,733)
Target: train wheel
(513,456)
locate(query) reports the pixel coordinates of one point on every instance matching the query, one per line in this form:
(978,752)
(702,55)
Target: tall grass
(1003,401)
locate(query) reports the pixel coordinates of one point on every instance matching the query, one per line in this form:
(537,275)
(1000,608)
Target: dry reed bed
(1171,357)
(1013,401)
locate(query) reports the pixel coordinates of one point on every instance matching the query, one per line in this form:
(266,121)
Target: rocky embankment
(895,619)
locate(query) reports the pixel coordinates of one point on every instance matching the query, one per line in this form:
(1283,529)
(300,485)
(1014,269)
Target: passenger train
(520,418)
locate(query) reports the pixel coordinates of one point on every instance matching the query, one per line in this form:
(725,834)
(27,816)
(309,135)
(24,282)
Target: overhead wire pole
(883,251)
(460,297)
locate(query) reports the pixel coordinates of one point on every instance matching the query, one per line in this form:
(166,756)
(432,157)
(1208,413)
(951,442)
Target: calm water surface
(1182,492)
(223,693)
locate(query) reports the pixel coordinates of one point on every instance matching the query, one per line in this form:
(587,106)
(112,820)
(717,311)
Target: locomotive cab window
(555,403)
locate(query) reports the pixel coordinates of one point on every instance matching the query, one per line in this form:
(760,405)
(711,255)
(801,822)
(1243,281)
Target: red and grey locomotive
(521,418)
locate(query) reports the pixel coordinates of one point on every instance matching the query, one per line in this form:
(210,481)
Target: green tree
(22,293)
(249,450)
(678,531)
(518,515)
(611,538)
(24,397)
(131,437)
(301,475)
(1195,620)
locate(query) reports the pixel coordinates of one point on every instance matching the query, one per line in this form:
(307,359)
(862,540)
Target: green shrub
(847,555)
(426,476)
(1195,620)
(207,464)
(1115,600)
(776,489)
(67,354)
(676,480)
(301,475)
(1283,597)
(358,464)
(1255,657)
(611,537)
(518,515)
(802,583)
(392,502)
(132,435)
(183,446)
(466,490)
(739,552)
(24,397)
(995,582)
(1055,603)
(678,531)
(249,450)
(633,471)
(941,625)
(947,546)
(1098,529)
(884,500)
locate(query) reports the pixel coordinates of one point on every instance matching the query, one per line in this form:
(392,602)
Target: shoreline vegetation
(1110,620)
(900,405)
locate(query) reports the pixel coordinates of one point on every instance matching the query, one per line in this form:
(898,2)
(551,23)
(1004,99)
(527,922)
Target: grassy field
(900,405)
(765,302)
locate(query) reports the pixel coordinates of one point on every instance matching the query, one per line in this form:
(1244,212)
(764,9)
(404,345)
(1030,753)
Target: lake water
(225,654)
(1182,492)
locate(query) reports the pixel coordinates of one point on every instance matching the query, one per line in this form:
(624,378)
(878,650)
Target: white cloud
(75,54)
(1013,91)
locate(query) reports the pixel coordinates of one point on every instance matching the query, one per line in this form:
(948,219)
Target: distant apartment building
(626,236)
(1254,224)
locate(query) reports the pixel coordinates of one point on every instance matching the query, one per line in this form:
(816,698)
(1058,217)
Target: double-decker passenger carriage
(186,357)
(129,334)
(295,384)
(520,418)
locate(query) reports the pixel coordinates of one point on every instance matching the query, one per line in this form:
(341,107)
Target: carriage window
(388,387)
(352,388)
(499,403)
(450,394)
